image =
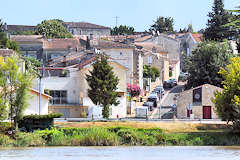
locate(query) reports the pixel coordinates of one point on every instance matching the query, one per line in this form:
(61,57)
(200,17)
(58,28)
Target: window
(150,60)
(58,97)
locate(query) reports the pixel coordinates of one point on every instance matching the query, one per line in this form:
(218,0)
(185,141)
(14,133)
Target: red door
(207,112)
(189,112)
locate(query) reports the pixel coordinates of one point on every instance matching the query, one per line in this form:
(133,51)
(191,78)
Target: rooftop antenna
(116,18)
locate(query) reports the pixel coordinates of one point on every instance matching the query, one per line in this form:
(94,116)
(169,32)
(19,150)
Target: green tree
(205,62)
(52,29)
(150,72)
(103,85)
(227,102)
(163,25)
(15,85)
(217,19)
(122,30)
(234,24)
(31,65)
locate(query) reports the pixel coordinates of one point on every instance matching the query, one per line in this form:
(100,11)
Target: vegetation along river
(121,153)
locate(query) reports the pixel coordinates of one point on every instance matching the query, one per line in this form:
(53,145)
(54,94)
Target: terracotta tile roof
(26,38)
(38,93)
(109,44)
(88,61)
(61,44)
(6,52)
(198,37)
(141,39)
(150,45)
(84,25)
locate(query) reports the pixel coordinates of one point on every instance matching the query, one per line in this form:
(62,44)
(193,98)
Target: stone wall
(73,111)
(185,98)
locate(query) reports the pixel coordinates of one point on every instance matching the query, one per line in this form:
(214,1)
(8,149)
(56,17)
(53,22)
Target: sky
(140,14)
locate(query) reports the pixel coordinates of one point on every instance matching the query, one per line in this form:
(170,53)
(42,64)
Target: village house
(126,55)
(196,103)
(84,28)
(46,49)
(33,101)
(68,86)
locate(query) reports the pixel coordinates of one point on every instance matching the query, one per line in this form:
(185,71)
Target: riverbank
(117,136)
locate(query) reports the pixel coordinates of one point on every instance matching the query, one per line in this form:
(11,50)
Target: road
(166,110)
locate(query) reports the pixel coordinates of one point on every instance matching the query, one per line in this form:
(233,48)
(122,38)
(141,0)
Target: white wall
(33,107)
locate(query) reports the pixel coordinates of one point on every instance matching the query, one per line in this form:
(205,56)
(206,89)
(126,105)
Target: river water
(121,153)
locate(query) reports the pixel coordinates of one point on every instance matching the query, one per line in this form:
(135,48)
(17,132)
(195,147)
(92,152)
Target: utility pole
(40,88)
(116,19)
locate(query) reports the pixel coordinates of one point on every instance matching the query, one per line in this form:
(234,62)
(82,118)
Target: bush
(28,139)
(33,122)
(99,137)
(5,141)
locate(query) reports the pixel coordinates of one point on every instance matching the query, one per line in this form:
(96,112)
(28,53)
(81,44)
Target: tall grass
(113,136)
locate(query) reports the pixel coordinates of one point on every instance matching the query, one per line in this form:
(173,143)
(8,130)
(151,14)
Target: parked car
(173,81)
(160,89)
(149,104)
(167,84)
(153,98)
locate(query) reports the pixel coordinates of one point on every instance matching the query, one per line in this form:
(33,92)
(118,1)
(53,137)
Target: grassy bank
(114,136)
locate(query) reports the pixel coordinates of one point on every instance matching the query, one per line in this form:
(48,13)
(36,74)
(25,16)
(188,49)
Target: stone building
(46,49)
(198,102)
(126,55)
(83,28)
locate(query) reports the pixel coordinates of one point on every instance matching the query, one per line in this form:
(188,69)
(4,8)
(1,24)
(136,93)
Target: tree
(217,19)
(163,25)
(205,62)
(15,85)
(150,72)
(234,24)
(122,30)
(52,29)
(103,84)
(227,102)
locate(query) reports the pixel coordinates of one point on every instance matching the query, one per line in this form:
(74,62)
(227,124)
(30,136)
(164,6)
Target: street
(165,106)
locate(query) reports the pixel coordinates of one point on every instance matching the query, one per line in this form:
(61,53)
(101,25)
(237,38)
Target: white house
(33,102)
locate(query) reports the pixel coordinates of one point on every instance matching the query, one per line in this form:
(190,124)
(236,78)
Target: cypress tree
(103,85)
(218,18)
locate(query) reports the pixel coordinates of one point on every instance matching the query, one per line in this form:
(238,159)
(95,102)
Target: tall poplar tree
(218,18)
(103,85)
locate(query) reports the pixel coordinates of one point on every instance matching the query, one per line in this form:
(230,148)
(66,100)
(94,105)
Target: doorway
(207,114)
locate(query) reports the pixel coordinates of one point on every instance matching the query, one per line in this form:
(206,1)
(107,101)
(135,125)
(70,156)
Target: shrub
(127,136)
(99,137)
(33,122)
(5,140)
(28,139)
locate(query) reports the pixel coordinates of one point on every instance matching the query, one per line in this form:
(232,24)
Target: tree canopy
(227,102)
(14,85)
(150,72)
(218,18)
(163,25)
(102,85)
(122,30)
(53,29)
(205,62)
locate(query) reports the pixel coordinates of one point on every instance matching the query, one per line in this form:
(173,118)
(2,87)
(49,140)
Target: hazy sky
(137,13)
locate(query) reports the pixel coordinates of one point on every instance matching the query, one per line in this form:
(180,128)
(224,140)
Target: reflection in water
(121,153)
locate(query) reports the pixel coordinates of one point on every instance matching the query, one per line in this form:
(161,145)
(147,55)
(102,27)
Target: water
(121,153)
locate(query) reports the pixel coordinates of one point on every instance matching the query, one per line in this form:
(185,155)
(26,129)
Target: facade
(30,45)
(153,55)
(197,101)
(68,87)
(83,28)
(46,49)
(33,107)
(126,55)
